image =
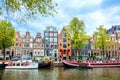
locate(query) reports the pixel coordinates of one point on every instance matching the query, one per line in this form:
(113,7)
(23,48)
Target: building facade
(64,45)
(51,42)
(16,50)
(114,45)
(38,47)
(112,48)
(27,45)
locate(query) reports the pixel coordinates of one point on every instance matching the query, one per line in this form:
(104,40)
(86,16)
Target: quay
(57,64)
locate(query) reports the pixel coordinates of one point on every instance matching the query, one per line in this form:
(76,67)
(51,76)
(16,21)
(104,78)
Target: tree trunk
(4,53)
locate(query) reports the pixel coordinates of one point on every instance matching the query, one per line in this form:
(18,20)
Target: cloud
(107,17)
(90,11)
(78,3)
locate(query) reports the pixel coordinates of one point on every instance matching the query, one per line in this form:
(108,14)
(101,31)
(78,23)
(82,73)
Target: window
(51,39)
(55,45)
(16,44)
(46,40)
(30,40)
(42,45)
(64,39)
(27,45)
(64,34)
(55,39)
(23,40)
(51,45)
(18,52)
(20,44)
(46,34)
(46,45)
(68,50)
(38,45)
(23,45)
(38,52)
(55,34)
(60,50)
(34,45)
(60,44)
(16,39)
(68,44)
(39,40)
(35,52)
(51,34)
(64,46)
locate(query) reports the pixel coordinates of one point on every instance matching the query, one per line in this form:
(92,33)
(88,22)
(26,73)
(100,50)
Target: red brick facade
(64,45)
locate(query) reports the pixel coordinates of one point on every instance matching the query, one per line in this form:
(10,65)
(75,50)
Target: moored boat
(102,64)
(4,63)
(91,64)
(70,64)
(44,64)
(22,65)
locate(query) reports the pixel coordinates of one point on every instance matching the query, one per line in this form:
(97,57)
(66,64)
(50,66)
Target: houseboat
(22,65)
(92,64)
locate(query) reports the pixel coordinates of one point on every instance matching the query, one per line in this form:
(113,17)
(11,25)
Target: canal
(60,73)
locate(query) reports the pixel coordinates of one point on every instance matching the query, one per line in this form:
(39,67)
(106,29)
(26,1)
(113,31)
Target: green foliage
(100,38)
(27,8)
(77,34)
(8,34)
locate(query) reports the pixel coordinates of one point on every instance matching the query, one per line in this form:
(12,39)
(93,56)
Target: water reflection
(61,74)
(16,74)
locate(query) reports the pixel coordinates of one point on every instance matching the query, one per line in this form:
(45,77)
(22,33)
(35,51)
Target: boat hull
(2,66)
(30,65)
(4,63)
(44,65)
(105,65)
(69,64)
(109,64)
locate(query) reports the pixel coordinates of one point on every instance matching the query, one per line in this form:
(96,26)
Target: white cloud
(106,17)
(80,4)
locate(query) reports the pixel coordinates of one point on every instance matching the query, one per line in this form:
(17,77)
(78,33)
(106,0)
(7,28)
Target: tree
(26,9)
(8,34)
(77,34)
(101,38)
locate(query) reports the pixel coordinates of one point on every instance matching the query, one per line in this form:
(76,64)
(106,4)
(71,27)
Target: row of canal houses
(58,46)
(52,45)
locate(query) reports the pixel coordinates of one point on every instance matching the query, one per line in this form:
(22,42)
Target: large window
(55,45)
(51,39)
(16,44)
(27,44)
(34,45)
(55,39)
(18,52)
(46,39)
(64,39)
(46,34)
(51,34)
(39,40)
(64,45)
(55,34)
(51,45)
(47,45)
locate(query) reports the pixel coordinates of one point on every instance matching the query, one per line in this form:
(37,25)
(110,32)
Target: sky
(93,12)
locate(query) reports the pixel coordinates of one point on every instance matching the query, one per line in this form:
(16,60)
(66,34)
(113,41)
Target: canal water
(60,73)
